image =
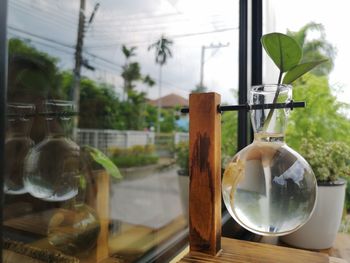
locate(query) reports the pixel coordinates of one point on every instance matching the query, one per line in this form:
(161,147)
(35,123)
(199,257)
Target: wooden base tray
(237,251)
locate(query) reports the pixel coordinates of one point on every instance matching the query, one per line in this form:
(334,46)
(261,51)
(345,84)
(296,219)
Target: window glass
(96,149)
(319,129)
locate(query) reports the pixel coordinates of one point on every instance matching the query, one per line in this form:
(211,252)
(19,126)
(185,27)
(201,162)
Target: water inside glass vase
(17,145)
(52,167)
(269,188)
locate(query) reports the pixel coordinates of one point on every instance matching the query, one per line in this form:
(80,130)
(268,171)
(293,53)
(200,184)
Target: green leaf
(283,50)
(300,70)
(103,160)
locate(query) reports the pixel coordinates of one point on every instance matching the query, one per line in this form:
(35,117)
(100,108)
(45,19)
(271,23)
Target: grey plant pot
(321,229)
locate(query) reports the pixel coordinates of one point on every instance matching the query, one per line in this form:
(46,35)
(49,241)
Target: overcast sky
(334,15)
(191,24)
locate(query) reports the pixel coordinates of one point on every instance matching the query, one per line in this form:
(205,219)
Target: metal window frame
(250,72)
(3,87)
(250,61)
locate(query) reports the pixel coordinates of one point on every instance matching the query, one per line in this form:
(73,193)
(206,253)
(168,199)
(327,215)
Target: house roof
(170,101)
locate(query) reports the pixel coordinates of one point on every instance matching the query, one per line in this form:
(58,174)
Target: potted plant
(181,158)
(330,162)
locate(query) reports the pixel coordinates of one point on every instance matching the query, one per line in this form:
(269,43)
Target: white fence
(104,139)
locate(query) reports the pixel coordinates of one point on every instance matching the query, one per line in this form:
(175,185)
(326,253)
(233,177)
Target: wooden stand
(205,198)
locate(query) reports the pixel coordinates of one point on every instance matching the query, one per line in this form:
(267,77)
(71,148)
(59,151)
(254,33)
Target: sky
(191,24)
(334,16)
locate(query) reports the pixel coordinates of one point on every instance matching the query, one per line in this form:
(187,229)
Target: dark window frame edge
(3,88)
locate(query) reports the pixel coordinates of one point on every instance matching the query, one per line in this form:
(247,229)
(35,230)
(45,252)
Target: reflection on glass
(268,188)
(74,230)
(122,90)
(17,145)
(52,167)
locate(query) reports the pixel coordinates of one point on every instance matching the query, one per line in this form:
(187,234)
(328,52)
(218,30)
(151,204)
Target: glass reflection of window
(99,63)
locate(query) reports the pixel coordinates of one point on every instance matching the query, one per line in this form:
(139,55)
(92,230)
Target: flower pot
(321,230)
(184,185)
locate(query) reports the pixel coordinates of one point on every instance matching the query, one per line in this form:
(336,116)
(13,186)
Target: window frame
(3,87)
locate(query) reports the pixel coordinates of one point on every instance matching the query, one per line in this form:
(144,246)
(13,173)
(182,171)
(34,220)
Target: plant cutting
(267,187)
(331,164)
(286,53)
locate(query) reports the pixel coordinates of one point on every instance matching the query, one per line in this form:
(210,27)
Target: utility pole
(211,46)
(75,91)
(79,61)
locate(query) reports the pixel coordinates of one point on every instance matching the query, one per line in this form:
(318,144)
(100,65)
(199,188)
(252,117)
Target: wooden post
(205,173)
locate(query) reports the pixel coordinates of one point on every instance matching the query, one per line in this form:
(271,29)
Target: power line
(45,21)
(64,14)
(43,44)
(41,37)
(63,44)
(140,24)
(146,30)
(137,17)
(43,15)
(103,59)
(169,36)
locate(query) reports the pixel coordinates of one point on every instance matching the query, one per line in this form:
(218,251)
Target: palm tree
(162,53)
(315,49)
(129,70)
(147,80)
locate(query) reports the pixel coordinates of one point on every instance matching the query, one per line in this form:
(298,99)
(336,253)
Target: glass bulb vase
(268,188)
(52,168)
(17,145)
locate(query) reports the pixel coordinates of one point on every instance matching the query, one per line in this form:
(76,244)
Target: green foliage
(315,49)
(300,70)
(100,108)
(283,50)
(162,50)
(167,123)
(137,155)
(32,74)
(329,160)
(100,158)
(182,156)
(131,73)
(128,52)
(229,135)
(132,161)
(199,89)
(320,118)
(286,53)
(347,194)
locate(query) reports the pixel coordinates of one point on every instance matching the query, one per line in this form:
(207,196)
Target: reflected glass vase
(17,145)
(52,167)
(74,230)
(268,188)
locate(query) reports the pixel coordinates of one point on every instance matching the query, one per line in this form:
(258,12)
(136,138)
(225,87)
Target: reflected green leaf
(103,160)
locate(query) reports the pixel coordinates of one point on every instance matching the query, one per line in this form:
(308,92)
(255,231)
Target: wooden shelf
(206,243)
(237,251)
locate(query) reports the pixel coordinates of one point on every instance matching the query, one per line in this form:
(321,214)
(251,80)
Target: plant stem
(269,116)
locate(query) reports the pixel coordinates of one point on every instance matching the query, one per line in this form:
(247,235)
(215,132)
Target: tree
(315,49)
(162,53)
(199,89)
(33,75)
(322,117)
(130,72)
(134,107)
